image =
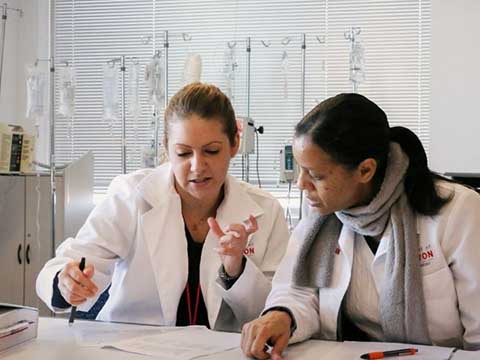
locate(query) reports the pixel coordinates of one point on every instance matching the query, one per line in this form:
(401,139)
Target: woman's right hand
(75,285)
(273,329)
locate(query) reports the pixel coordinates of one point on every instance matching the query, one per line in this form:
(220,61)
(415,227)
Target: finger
(67,295)
(76,289)
(243,336)
(258,347)
(89,271)
(238,230)
(83,280)
(228,252)
(252,226)
(280,344)
(217,230)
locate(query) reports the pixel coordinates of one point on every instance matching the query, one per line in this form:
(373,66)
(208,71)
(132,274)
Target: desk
(56,341)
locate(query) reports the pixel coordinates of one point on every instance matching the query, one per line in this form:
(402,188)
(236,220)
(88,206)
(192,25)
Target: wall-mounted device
(288,165)
(16,149)
(246,126)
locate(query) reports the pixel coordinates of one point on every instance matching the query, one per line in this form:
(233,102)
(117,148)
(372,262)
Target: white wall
(455,99)
(8,95)
(26,40)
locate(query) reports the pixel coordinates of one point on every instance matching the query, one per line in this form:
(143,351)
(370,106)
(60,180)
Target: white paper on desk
(185,344)
(466,355)
(352,350)
(98,334)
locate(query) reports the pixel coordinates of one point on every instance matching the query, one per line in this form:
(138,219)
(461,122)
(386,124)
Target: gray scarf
(402,304)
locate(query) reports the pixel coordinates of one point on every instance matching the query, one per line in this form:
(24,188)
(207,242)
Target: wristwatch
(227,279)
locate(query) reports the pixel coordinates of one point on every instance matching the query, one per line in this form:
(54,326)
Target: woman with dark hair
(389,251)
(181,244)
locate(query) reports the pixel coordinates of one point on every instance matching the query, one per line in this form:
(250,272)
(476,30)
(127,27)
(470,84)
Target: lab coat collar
(159,183)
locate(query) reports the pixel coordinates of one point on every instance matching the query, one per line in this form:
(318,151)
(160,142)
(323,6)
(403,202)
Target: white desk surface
(57,341)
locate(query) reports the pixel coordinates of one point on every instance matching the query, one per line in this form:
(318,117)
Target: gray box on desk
(17,325)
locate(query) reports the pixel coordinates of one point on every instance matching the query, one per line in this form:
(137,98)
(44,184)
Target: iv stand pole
(246,156)
(53,189)
(304,51)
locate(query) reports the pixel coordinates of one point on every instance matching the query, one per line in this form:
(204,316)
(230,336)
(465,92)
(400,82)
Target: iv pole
(302,97)
(53,189)
(246,156)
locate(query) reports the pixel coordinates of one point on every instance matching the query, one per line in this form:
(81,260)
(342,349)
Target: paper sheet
(98,334)
(352,350)
(184,344)
(466,355)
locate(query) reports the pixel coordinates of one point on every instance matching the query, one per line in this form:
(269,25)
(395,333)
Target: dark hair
(350,128)
(206,101)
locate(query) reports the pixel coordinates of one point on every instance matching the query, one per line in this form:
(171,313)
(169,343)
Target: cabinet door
(12,234)
(38,239)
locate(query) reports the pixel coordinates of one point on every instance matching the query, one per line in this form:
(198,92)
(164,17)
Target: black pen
(74,308)
(384,354)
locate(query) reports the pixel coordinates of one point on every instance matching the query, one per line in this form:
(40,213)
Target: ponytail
(419,180)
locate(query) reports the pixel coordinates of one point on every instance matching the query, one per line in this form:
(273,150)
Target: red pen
(384,354)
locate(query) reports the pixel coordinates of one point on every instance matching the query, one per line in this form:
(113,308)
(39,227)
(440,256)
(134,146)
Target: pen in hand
(74,308)
(391,353)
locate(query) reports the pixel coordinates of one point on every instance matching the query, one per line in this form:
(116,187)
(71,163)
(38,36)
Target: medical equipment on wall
(66,106)
(36,94)
(288,165)
(16,149)
(246,127)
(133,104)
(5,9)
(110,93)
(357,58)
(154,78)
(284,67)
(192,70)
(288,174)
(229,68)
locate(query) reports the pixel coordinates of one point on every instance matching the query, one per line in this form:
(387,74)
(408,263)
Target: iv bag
(284,71)
(229,65)
(357,63)
(134,105)
(67,92)
(154,79)
(36,93)
(110,93)
(192,70)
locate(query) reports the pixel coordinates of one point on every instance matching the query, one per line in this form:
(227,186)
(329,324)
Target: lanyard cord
(193,321)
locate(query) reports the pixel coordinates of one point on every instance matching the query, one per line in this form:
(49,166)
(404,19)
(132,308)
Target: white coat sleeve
(462,247)
(301,301)
(106,237)
(247,296)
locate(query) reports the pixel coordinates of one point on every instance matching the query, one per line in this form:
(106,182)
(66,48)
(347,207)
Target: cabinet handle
(19,254)
(27,254)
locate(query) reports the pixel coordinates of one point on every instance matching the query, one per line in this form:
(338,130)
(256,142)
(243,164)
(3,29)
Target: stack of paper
(185,344)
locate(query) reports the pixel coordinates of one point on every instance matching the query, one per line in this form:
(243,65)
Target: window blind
(394,34)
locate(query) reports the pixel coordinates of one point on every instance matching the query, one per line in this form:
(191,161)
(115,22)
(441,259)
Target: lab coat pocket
(438,285)
(441,305)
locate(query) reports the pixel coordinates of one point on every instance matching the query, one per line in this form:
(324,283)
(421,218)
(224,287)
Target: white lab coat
(449,256)
(136,240)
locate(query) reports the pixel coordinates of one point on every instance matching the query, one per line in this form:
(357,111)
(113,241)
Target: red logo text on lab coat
(249,251)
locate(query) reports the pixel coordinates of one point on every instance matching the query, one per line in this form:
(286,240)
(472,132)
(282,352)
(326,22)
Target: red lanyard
(193,321)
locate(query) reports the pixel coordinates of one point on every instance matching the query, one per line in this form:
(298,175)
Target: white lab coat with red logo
(136,240)
(449,256)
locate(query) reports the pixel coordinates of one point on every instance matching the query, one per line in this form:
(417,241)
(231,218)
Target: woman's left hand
(233,243)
